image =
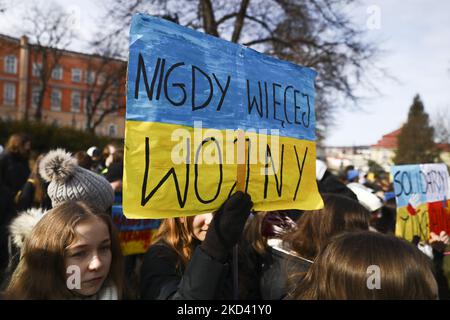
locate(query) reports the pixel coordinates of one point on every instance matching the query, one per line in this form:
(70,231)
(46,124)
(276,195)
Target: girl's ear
(182,219)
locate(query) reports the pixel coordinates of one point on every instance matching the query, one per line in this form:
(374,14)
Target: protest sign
(421,193)
(188,94)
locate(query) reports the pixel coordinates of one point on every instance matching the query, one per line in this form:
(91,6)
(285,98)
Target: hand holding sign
(227,225)
(439,242)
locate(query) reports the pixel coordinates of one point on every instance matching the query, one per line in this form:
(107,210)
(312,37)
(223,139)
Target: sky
(413,36)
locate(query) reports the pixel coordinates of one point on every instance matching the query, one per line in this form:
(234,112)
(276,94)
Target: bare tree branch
(239,22)
(106,86)
(226,18)
(441,124)
(209,21)
(48,29)
(313,33)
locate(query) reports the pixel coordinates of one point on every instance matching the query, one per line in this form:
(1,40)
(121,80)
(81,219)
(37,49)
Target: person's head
(19,144)
(94,153)
(73,251)
(181,233)
(315,228)
(352,176)
(108,153)
(117,156)
(369,265)
(115,168)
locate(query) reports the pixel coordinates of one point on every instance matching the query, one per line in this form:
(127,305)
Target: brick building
(76,81)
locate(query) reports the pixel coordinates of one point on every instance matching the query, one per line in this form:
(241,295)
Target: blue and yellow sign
(188,93)
(422,197)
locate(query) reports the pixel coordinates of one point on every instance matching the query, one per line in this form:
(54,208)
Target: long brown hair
(177,233)
(342,271)
(41,270)
(315,228)
(39,183)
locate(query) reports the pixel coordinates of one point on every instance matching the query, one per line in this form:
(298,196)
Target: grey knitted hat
(68,181)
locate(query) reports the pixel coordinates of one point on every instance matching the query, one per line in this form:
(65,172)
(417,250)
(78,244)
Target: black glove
(227,225)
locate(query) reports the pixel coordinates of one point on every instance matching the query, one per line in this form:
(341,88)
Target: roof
(388,141)
(8,38)
(66,52)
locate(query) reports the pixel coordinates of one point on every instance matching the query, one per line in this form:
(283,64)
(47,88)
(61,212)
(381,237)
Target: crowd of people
(58,241)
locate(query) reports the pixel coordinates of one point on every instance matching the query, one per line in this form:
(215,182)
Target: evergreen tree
(415,142)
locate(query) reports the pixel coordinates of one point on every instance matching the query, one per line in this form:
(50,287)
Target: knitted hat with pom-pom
(68,181)
(22,225)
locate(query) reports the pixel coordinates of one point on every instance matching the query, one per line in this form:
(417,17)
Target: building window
(75,101)
(36,91)
(56,100)
(37,69)
(101,78)
(10,64)
(76,75)
(112,130)
(57,73)
(113,104)
(90,77)
(9,93)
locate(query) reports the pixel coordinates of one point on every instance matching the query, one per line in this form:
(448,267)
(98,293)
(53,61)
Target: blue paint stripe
(290,88)
(410,181)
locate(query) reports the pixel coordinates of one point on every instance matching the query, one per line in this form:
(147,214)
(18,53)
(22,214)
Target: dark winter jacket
(203,278)
(25,197)
(280,264)
(14,172)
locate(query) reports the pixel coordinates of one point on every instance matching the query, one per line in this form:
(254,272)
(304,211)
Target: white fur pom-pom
(21,226)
